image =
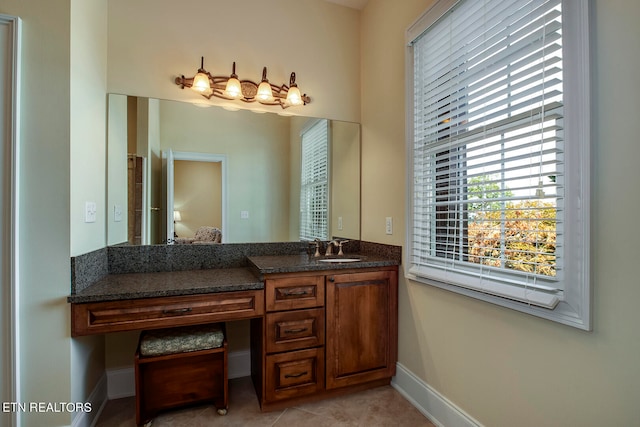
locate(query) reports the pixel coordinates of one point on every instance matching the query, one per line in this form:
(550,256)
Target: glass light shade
(264,92)
(201,83)
(293,96)
(177,216)
(233,89)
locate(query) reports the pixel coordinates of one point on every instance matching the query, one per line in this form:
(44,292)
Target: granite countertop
(297,263)
(115,287)
(245,272)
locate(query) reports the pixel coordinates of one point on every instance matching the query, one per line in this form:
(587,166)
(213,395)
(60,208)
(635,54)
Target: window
(499,148)
(314,183)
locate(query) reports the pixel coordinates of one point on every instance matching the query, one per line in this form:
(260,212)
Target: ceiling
(355,4)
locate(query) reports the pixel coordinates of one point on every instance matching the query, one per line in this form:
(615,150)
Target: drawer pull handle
(294,293)
(294,331)
(296,375)
(177,311)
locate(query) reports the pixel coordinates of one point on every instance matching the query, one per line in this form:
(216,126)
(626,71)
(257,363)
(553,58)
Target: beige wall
(197,195)
(501,367)
(153,41)
(117,231)
(88,126)
(345,180)
(44,203)
(257,161)
(88,165)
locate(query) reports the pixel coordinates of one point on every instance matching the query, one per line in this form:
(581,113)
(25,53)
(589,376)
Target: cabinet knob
(331,279)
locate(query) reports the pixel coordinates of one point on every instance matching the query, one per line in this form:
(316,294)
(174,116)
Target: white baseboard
(239,364)
(121,382)
(118,383)
(98,399)
(441,411)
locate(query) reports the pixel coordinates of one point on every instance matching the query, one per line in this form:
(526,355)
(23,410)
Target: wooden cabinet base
(324,336)
(163,312)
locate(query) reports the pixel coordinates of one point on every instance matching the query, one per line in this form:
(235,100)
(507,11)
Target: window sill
(566,312)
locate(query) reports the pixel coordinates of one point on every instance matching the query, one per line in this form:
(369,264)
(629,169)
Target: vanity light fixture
(231,88)
(293,95)
(265,94)
(234,88)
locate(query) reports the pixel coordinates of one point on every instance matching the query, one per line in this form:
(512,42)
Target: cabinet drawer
(294,374)
(149,313)
(293,330)
(294,292)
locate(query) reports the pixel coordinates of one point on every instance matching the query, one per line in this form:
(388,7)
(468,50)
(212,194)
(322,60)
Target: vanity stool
(180,366)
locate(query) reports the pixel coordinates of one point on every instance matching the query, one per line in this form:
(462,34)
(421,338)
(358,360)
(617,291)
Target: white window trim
(575,308)
(310,124)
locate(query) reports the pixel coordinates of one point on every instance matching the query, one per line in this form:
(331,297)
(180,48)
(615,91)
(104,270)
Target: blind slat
(488,144)
(314,184)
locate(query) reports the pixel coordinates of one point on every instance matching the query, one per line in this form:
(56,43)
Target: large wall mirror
(238,171)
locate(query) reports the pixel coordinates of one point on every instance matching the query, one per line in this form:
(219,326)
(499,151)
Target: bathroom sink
(331,260)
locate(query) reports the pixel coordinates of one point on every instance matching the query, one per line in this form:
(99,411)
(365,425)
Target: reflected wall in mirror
(258,195)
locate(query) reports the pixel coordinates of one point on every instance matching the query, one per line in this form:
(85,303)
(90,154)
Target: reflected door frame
(171,156)
(10,63)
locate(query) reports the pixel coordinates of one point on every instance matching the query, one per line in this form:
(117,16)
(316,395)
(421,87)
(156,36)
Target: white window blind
(314,187)
(488,150)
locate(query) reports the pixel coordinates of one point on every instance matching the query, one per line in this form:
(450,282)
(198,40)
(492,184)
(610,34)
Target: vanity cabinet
(324,333)
(362,327)
(291,336)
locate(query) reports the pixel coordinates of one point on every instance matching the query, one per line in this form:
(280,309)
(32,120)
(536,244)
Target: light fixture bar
(226,87)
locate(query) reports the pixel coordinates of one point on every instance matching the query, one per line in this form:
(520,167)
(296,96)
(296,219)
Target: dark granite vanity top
(303,262)
(132,272)
(115,287)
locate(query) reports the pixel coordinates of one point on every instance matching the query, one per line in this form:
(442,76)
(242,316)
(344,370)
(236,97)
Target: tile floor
(379,407)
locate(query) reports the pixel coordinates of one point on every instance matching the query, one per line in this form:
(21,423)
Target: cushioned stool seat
(180,366)
(181,340)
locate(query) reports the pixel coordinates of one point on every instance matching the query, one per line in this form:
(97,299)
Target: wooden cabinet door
(362,327)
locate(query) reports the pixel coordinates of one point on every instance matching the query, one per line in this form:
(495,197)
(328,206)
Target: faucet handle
(317,242)
(340,243)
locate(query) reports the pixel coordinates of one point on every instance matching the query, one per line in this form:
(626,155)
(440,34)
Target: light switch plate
(90,210)
(117,213)
(389,225)
(244,214)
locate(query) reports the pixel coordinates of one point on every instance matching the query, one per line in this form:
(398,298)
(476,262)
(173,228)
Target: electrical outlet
(244,214)
(389,225)
(339,223)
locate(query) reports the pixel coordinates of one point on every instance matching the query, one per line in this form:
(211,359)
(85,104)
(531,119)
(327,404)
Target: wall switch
(389,225)
(90,210)
(244,214)
(339,223)
(117,213)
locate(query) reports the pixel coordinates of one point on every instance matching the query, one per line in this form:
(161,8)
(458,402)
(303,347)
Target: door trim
(171,156)
(10,98)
